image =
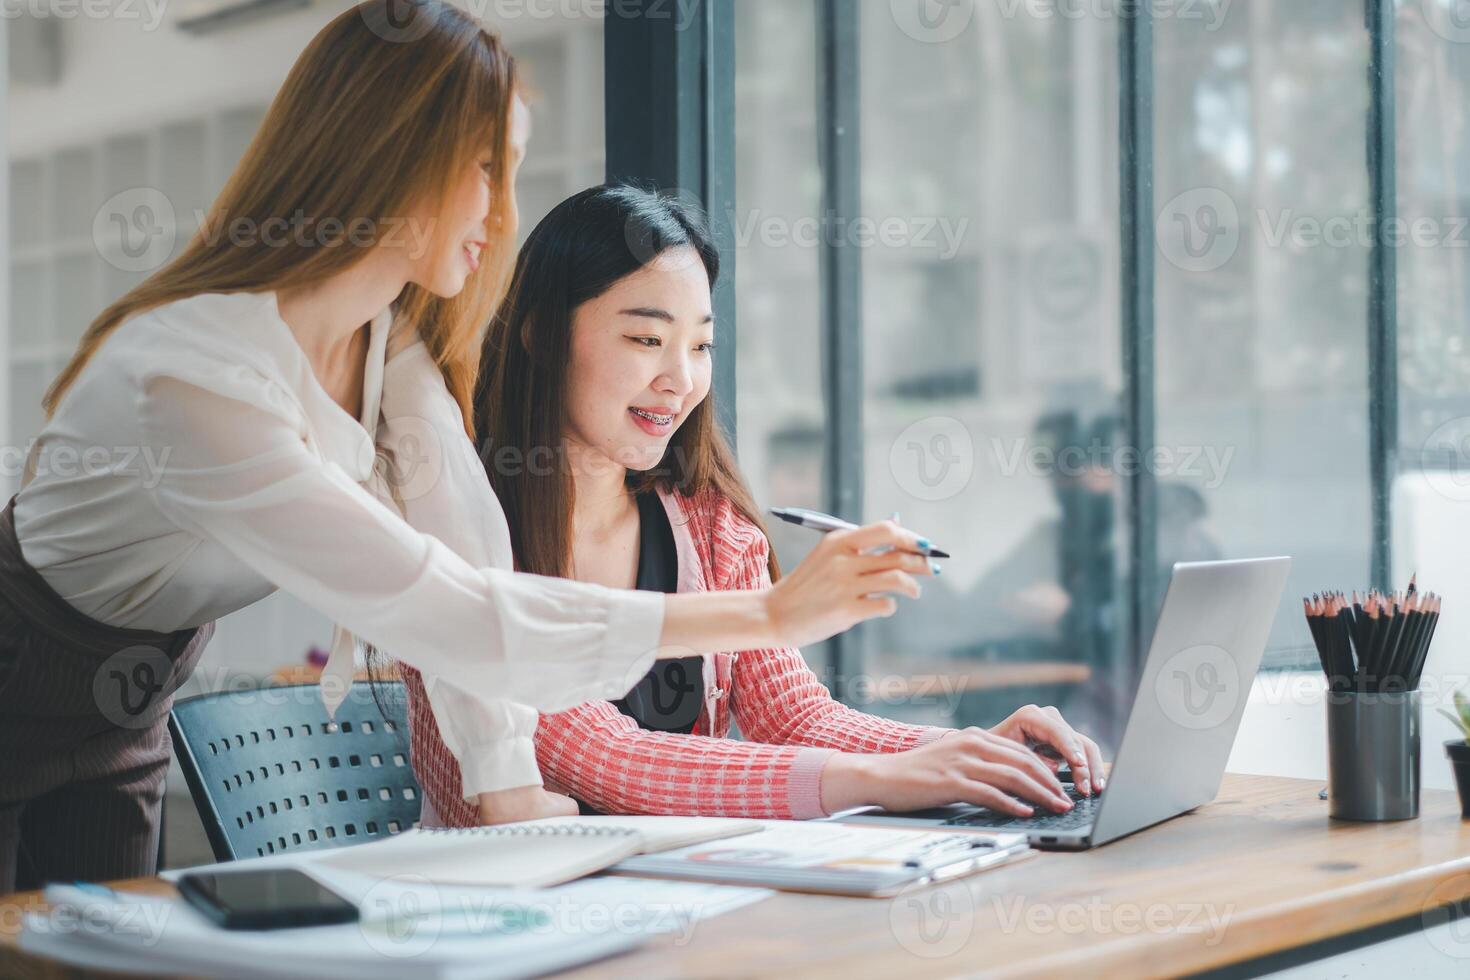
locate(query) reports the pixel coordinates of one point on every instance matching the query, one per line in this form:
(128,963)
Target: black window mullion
(1136,171)
(719,193)
(669,100)
(1383,395)
(840,284)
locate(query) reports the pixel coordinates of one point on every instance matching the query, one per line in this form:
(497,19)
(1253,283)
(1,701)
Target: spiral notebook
(534,854)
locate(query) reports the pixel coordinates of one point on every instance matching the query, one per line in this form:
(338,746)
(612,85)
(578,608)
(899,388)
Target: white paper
(409,926)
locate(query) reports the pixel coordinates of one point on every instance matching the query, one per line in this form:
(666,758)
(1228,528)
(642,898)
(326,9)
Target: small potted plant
(1459,749)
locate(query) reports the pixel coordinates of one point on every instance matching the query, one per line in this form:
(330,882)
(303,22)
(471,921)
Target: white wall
(122,74)
(119,76)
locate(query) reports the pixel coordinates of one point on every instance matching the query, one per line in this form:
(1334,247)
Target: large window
(783,416)
(1262,204)
(782,413)
(990,348)
(985,344)
(1273,359)
(1434,271)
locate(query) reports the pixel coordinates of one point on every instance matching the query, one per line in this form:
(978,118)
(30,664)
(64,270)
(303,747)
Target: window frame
(670,124)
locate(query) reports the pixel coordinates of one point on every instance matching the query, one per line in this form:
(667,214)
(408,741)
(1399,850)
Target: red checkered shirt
(791,724)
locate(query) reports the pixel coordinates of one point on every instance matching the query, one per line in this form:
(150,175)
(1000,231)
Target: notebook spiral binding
(559,830)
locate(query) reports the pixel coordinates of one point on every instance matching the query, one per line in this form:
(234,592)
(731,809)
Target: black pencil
(1416,651)
(1403,653)
(1369,654)
(1360,623)
(1372,628)
(1336,662)
(1342,627)
(1376,642)
(1339,645)
(1416,670)
(1317,644)
(1391,643)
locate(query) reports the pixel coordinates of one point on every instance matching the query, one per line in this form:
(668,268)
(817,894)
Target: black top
(669,696)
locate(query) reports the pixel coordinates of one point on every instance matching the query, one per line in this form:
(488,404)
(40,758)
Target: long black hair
(580,250)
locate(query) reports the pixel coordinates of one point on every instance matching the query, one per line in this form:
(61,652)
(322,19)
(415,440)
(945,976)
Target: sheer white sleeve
(437,481)
(241,469)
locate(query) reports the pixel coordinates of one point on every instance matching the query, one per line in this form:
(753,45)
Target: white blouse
(196,465)
(433,475)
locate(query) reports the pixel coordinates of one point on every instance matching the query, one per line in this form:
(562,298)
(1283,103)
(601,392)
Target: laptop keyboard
(1081,814)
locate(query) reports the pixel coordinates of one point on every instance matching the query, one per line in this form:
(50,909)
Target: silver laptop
(1206,649)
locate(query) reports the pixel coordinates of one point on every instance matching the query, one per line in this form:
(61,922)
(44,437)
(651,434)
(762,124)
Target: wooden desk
(1263,859)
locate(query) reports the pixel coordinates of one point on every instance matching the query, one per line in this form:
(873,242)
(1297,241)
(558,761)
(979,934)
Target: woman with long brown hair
(599,437)
(366,236)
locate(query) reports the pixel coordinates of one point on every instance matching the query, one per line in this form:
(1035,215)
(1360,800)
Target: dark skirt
(84,743)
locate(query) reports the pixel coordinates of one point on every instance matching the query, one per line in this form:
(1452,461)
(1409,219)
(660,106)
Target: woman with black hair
(600,440)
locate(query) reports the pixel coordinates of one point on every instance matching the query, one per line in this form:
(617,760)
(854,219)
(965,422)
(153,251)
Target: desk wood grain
(1260,870)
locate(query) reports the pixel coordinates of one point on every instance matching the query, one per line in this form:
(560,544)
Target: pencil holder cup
(1373,754)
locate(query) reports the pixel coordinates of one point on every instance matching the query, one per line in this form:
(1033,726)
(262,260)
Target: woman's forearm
(782,702)
(708,622)
(603,758)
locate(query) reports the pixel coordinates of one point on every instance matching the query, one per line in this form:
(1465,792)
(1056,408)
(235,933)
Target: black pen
(818,521)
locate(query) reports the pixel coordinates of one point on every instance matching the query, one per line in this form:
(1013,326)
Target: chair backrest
(269,772)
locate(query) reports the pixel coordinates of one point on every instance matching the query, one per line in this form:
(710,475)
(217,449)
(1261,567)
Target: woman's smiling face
(467,212)
(641,357)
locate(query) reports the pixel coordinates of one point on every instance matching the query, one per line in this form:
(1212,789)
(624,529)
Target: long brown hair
(388,105)
(581,249)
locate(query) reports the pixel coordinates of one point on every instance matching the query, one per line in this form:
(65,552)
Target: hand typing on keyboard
(994,769)
(1046,729)
(1081,814)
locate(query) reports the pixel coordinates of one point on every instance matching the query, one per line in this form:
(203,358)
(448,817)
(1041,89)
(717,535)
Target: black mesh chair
(269,772)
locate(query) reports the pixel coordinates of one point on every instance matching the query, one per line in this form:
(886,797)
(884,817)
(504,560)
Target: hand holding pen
(845,577)
(826,523)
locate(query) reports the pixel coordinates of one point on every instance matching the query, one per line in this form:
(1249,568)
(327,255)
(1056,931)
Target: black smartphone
(269,898)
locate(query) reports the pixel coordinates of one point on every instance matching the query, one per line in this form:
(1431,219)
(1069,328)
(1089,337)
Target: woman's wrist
(708,622)
(848,780)
(523,803)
